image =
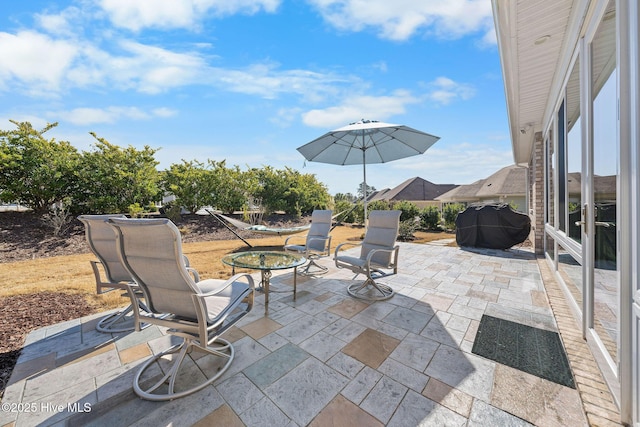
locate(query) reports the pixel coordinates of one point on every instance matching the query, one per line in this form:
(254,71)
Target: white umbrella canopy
(366,142)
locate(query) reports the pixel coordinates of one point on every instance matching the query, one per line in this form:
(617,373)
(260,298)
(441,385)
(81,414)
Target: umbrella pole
(364,173)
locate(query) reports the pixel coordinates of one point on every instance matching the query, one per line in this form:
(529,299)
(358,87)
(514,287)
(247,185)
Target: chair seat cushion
(295,248)
(217,304)
(355,261)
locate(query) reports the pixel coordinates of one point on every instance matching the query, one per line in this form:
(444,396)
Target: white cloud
(360,107)
(139,14)
(43,63)
(267,81)
(40,63)
(153,70)
(285,116)
(90,116)
(444,91)
(381,66)
(35,60)
(401,19)
(441,163)
(37,122)
(64,23)
(144,68)
(164,112)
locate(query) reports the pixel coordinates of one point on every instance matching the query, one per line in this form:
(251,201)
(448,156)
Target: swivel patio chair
(102,242)
(317,242)
(378,251)
(197,312)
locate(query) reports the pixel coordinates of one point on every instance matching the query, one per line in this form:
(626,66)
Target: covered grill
(494,226)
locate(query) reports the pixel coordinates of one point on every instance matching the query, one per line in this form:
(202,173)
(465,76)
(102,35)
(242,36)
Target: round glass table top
(264,260)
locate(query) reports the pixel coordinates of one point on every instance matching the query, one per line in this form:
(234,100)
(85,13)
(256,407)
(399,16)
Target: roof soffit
(531,61)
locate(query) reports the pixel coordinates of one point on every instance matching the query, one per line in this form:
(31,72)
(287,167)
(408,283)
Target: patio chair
(102,242)
(196,312)
(317,242)
(378,251)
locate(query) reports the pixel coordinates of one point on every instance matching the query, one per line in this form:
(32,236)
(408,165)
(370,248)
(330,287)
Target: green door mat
(532,350)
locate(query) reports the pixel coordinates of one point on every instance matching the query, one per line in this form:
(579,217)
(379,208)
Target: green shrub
(378,205)
(173,211)
(409,210)
(450,213)
(135,210)
(406,230)
(358,213)
(430,218)
(344,208)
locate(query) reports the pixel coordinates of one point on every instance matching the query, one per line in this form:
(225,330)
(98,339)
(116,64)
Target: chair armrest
(228,283)
(103,287)
(286,241)
(394,257)
(191,270)
(201,305)
(339,247)
(194,273)
(326,243)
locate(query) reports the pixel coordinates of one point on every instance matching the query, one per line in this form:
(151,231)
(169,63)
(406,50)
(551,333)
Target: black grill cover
(491,226)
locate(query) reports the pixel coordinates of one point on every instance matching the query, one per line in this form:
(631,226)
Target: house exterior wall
(605,291)
(600,45)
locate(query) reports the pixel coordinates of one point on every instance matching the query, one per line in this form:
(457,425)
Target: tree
(229,186)
(112,178)
(361,190)
(290,191)
(189,182)
(348,197)
(36,171)
(270,189)
(305,193)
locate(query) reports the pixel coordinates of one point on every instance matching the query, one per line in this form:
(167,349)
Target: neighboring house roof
(462,193)
(378,194)
(604,186)
(414,189)
(509,181)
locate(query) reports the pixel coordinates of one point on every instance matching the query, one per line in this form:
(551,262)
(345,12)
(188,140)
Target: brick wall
(536,193)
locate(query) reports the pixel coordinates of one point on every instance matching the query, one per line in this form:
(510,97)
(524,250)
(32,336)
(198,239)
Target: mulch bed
(21,314)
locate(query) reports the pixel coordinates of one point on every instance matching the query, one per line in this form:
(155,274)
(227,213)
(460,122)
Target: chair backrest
(382,233)
(319,231)
(102,240)
(151,250)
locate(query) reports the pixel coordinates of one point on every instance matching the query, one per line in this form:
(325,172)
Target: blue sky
(249,81)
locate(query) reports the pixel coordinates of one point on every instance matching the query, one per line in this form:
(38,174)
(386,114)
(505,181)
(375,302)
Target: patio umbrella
(366,142)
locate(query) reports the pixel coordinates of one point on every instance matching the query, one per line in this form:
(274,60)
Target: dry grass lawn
(73,274)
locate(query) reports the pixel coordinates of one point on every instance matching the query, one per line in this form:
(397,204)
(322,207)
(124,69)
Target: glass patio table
(266,261)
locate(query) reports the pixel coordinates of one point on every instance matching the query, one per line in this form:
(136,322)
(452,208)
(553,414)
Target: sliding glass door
(601,188)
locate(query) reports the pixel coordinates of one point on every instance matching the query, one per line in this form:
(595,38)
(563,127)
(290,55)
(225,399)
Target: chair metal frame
(110,275)
(196,328)
(369,262)
(317,242)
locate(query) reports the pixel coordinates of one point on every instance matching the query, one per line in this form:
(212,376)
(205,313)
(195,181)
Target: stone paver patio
(328,359)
